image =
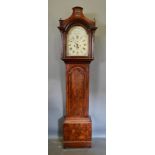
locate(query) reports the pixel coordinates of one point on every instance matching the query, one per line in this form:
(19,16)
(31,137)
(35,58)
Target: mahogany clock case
(77,126)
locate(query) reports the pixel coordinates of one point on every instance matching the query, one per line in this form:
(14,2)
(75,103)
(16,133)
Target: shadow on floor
(98,148)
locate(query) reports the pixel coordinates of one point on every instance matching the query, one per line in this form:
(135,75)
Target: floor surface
(98,148)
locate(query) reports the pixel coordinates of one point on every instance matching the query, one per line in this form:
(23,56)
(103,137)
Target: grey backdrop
(97,109)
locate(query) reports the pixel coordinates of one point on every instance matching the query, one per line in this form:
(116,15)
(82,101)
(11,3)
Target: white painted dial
(77,42)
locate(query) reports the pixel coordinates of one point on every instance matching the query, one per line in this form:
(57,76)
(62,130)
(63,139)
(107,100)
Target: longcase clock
(77,34)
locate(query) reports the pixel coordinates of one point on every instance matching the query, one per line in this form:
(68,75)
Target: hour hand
(77,45)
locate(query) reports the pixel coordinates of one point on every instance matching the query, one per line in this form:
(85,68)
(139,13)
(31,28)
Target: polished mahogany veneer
(77,126)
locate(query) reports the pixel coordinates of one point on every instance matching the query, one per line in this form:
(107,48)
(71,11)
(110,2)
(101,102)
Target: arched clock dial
(77,42)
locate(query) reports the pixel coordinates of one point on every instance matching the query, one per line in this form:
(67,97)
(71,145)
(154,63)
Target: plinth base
(77,132)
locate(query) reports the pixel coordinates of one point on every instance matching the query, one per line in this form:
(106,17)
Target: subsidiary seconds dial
(77,42)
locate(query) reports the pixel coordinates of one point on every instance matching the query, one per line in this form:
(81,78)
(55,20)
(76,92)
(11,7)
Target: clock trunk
(77,128)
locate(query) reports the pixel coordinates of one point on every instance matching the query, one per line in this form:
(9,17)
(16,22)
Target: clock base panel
(77,132)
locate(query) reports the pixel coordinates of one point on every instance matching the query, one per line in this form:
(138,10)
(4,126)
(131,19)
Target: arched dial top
(77,41)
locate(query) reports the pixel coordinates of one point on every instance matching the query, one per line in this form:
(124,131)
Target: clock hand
(77,46)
